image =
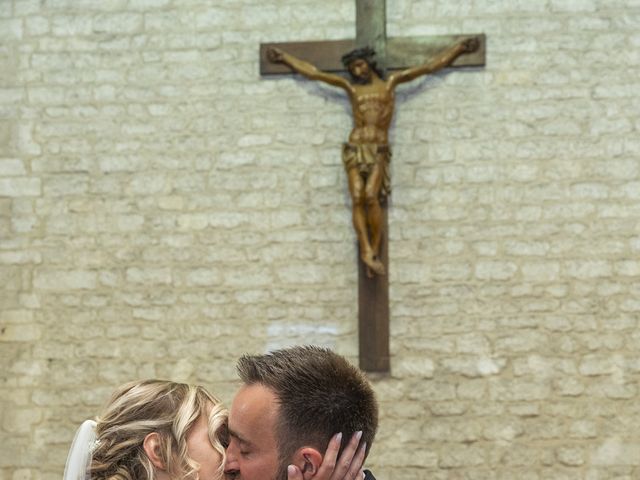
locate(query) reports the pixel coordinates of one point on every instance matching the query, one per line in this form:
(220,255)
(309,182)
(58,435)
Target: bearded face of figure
(360,71)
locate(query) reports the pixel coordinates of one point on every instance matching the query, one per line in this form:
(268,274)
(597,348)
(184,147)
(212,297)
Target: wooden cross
(391,54)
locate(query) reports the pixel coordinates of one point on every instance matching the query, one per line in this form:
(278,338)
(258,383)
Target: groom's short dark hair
(319,394)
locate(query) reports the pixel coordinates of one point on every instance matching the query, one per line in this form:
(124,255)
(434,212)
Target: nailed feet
(373,263)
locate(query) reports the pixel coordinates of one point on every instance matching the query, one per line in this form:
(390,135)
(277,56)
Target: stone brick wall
(164,209)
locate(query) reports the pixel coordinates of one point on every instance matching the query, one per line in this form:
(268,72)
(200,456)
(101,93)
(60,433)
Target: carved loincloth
(364,156)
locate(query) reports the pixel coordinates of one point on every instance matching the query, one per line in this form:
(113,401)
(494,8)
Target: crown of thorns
(364,53)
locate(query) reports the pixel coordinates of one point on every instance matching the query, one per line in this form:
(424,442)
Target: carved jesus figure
(367,154)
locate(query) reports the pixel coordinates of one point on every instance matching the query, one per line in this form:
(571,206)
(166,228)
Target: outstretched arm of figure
(347,467)
(466,46)
(275,55)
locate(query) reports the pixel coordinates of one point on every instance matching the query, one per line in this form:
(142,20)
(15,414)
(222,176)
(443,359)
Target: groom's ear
(153,448)
(308,460)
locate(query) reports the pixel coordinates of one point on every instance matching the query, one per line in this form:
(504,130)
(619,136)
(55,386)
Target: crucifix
(367,154)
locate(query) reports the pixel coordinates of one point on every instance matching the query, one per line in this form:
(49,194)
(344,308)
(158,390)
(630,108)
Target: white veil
(79,459)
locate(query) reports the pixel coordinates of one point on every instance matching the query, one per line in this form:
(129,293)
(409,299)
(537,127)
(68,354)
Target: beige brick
(20,257)
(64,279)
(118,23)
(21,420)
(153,276)
(10,29)
(495,270)
(462,456)
(480,367)
(20,187)
(36,25)
(615,451)
(11,166)
(204,277)
(24,474)
(20,333)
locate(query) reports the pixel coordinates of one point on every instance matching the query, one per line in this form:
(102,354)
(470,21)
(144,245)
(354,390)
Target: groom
(292,403)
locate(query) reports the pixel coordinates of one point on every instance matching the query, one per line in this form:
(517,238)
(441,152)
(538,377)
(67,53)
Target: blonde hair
(167,408)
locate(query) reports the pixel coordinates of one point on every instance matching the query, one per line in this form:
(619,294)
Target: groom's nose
(231,466)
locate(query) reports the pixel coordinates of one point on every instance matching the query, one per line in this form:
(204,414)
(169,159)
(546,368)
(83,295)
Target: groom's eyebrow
(240,438)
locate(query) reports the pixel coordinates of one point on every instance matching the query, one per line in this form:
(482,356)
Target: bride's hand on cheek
(347,467)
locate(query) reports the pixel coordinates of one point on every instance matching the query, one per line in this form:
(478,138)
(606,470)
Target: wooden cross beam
(391,54)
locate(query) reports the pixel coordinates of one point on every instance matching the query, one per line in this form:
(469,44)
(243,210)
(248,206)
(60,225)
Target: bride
(161,430)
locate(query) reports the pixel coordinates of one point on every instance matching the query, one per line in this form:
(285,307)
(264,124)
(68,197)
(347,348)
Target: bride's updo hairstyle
(153,406)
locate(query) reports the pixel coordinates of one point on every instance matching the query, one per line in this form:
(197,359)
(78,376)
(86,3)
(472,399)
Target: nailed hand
(274,54)
(471,44)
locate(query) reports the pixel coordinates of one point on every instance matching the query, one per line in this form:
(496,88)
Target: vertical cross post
(371,26)
(373,292)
